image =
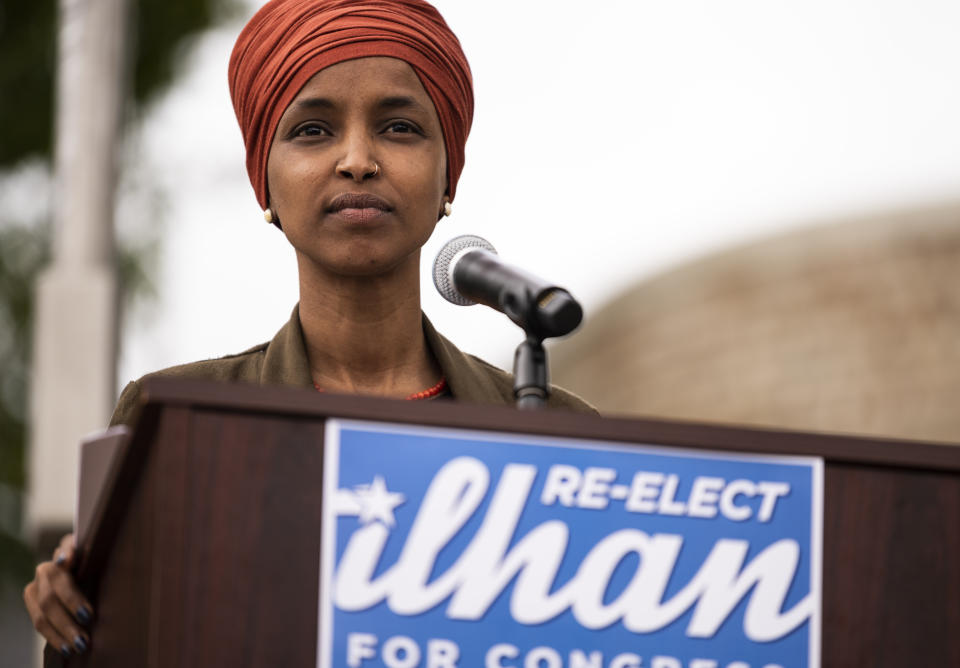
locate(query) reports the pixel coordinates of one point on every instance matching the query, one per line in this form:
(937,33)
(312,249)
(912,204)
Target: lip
(358,202)
(359,207)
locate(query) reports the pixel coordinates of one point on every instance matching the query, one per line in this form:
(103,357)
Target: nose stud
(358,173)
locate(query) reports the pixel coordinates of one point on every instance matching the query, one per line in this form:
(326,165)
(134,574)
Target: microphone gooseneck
(468,271)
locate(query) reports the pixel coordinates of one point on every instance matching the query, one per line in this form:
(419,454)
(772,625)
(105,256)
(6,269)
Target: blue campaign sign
(459,549)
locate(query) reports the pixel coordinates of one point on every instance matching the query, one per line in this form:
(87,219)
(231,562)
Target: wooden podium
(204,545)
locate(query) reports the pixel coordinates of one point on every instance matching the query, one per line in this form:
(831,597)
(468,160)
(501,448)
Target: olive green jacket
(283,361)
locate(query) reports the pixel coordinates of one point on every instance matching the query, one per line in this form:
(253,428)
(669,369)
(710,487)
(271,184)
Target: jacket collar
(285,363)
(467,377)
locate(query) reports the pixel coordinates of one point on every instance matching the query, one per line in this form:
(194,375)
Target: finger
(63,625)
(70,597)
(40,622)
(52,582)
(63,555)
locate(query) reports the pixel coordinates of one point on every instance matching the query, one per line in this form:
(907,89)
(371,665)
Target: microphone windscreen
(446,257)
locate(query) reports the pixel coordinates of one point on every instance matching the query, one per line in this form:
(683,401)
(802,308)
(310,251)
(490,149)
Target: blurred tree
(28,39)
(28,32)
(23,252)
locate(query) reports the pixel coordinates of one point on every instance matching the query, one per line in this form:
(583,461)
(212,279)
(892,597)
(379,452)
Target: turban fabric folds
(288,41)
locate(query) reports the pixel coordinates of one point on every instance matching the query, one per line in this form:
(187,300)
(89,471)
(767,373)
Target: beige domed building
(850,327)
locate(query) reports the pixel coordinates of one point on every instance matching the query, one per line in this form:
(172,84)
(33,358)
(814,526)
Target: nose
(358,162)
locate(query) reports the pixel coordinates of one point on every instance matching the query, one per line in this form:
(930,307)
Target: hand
(58,610)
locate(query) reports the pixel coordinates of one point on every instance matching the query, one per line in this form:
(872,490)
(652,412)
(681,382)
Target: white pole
(75,328)
(73,383)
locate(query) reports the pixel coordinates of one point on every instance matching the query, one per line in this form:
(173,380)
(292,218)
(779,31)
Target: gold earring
(268,215)
(447,208)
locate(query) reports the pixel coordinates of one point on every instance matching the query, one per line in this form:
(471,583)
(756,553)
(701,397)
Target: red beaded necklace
(416,396)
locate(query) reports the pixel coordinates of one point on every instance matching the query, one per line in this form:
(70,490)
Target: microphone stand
(530,374)
(468,271)
(551,312)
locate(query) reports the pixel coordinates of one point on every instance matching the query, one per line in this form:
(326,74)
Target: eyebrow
(386,104)
(399,102)
(315,103)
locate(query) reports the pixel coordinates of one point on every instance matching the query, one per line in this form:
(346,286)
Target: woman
(354,116)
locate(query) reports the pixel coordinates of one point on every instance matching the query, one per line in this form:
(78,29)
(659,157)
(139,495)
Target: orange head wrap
(288,41)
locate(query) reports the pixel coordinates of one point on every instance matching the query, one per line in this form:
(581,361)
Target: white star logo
(371,502)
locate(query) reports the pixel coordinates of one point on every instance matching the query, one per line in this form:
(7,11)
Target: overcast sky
(607,145)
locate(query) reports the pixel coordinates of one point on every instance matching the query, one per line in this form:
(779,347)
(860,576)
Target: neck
(364,335)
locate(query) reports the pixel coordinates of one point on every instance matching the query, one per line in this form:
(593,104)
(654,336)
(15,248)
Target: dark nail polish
(59,561)
(83,614)
(80,644)
(65,650)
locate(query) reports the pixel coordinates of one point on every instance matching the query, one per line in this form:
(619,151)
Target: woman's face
(357,168)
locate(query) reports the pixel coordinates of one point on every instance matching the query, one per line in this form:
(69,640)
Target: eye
(402,127)
(311,130)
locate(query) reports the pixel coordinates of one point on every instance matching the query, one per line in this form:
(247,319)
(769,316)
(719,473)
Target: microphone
(469,271)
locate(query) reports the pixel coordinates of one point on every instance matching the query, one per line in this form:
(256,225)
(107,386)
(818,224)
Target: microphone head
(446,259)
